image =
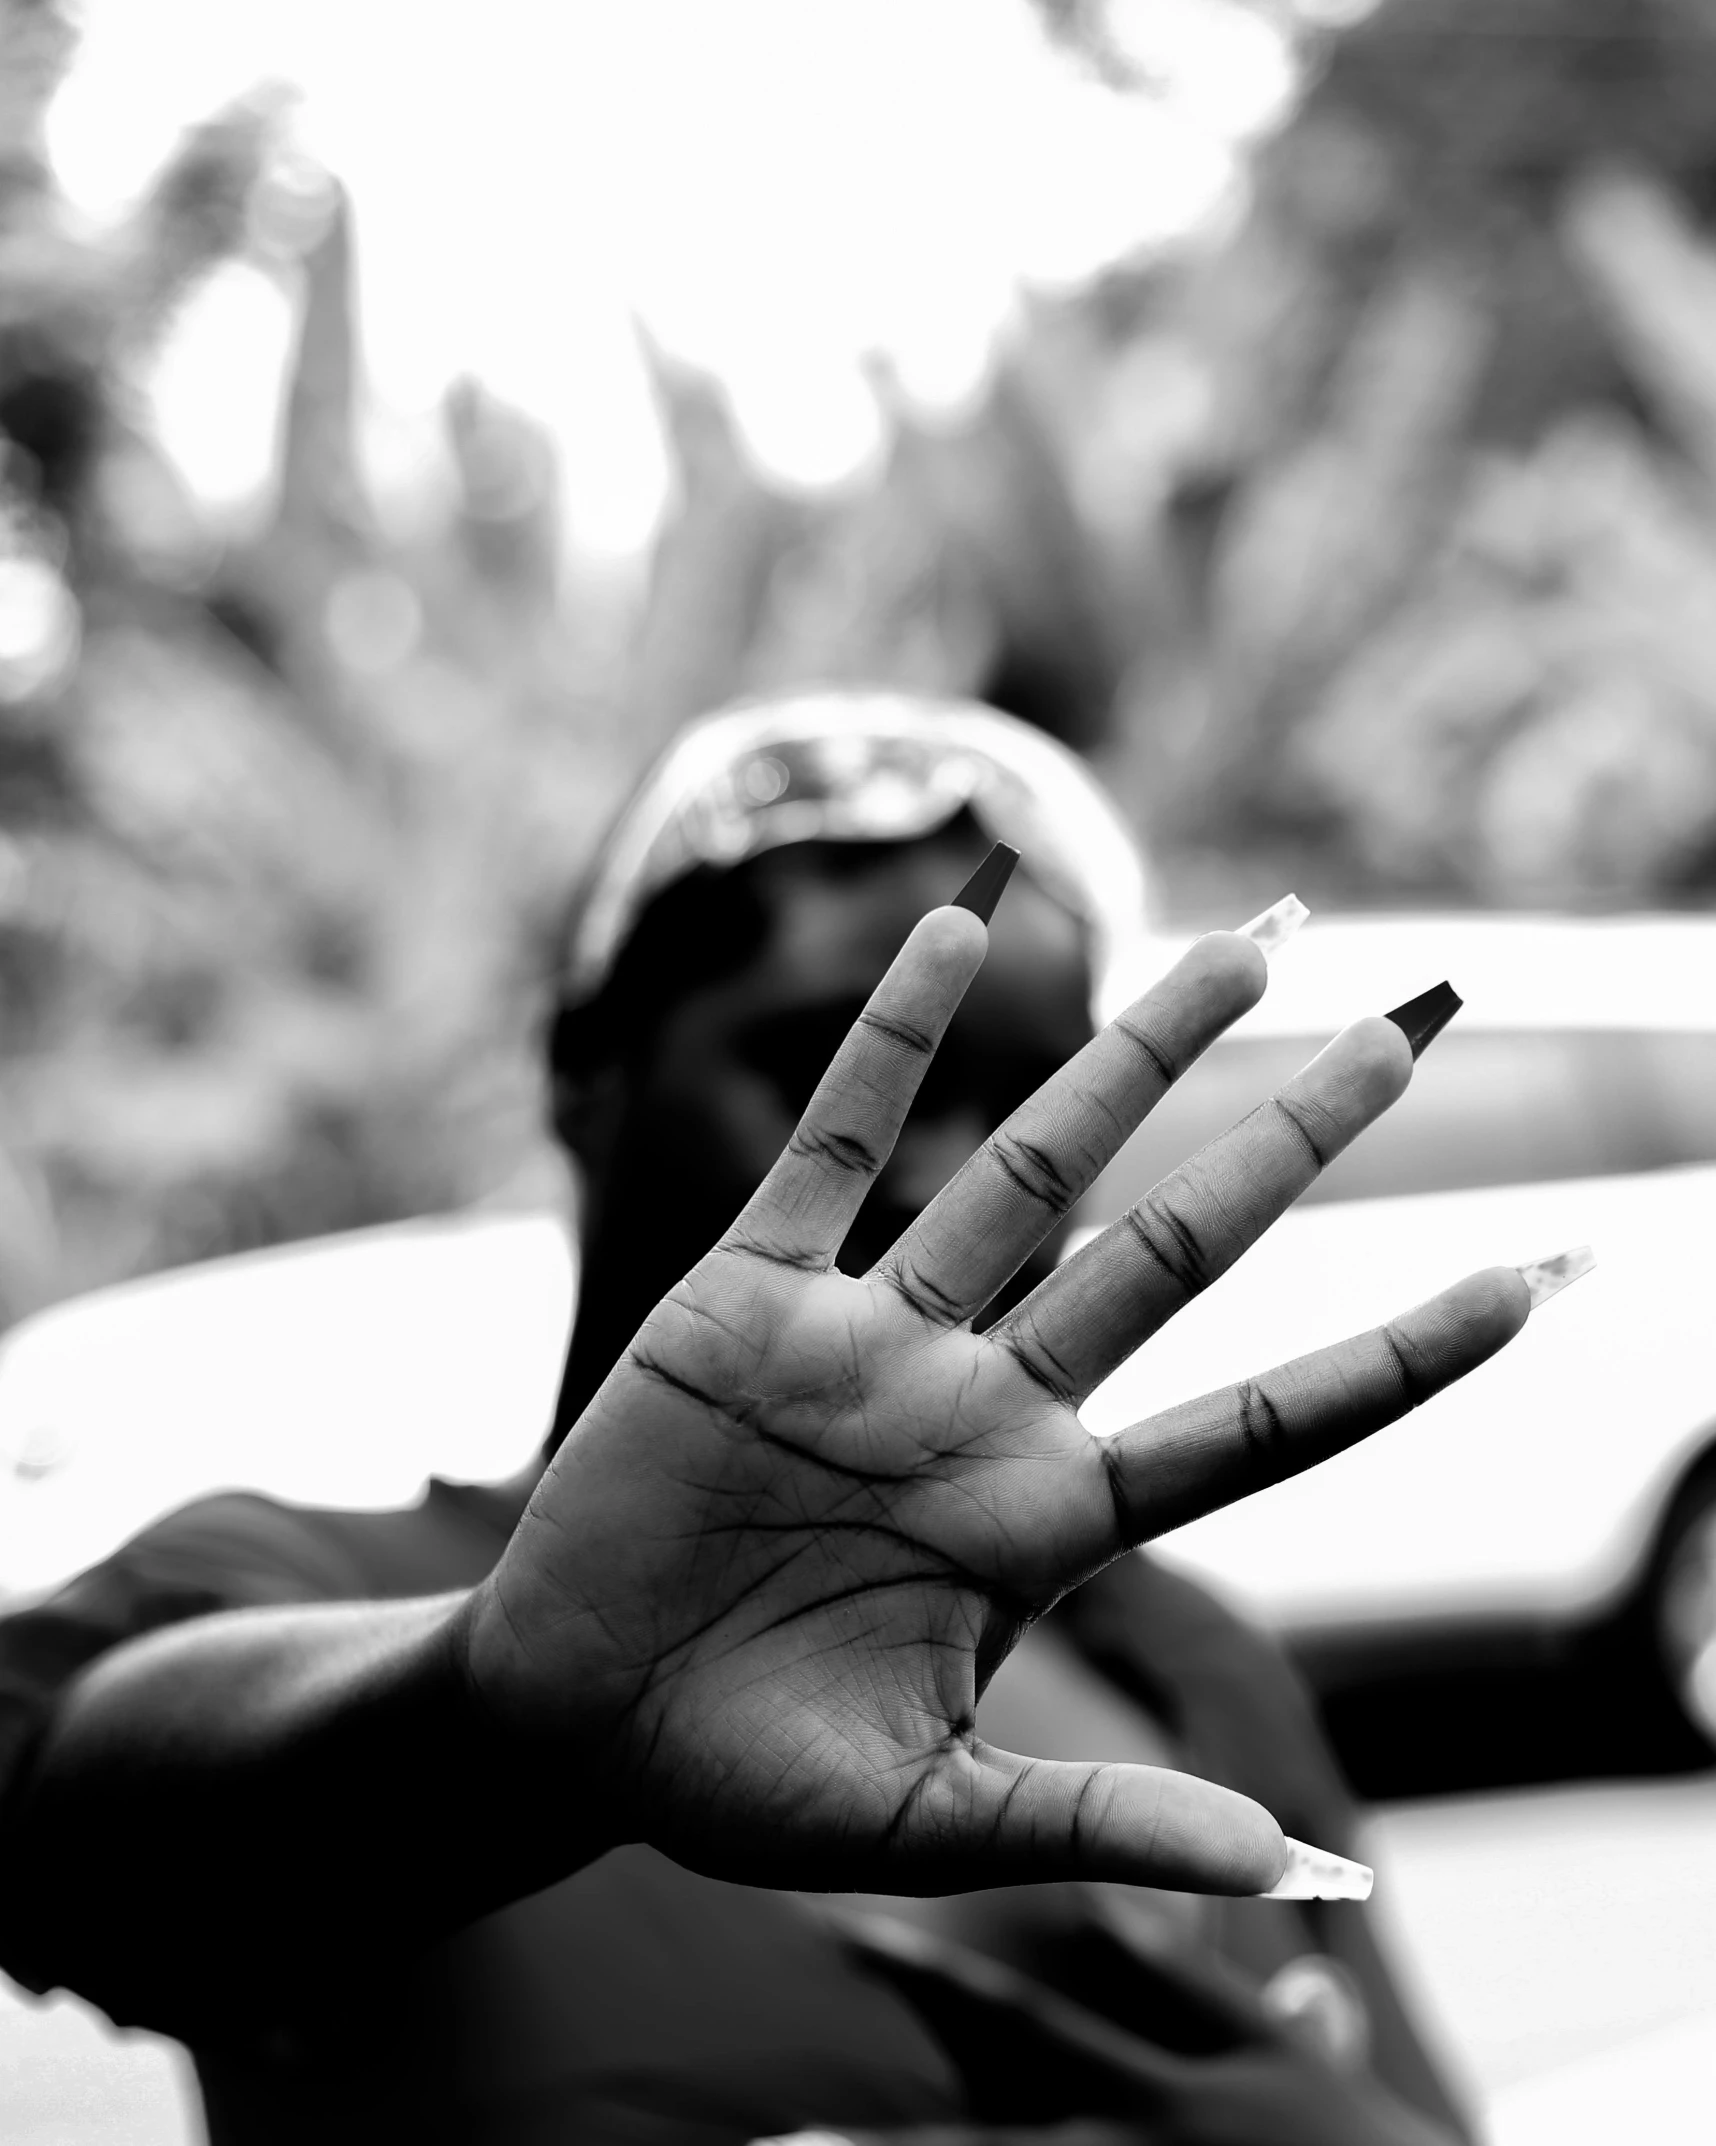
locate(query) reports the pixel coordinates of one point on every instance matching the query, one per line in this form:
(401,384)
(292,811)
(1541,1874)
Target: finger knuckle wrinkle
(1002,1822)
(1041,1366)
(1310,1127)
(903,1034)
(749,1246)
(1090,1804)
(1262,1428)
(1159,1061)
(1415,1382)
(1033,1169)
(927,1298)
(1171,1243)
(844,1151)
(1127,1529)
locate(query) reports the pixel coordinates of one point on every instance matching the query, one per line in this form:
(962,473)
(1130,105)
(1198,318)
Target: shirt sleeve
(234,1551)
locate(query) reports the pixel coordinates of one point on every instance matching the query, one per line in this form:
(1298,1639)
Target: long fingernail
(1546,1278)
(1276,925)
(1422,1019)
(984,888)
(1315,1874)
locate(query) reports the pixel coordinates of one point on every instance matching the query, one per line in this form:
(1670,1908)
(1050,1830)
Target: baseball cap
(863,767)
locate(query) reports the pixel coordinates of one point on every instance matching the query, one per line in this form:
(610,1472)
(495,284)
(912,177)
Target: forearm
(226,1819)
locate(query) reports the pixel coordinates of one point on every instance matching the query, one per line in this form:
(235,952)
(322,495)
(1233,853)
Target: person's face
(734,1064)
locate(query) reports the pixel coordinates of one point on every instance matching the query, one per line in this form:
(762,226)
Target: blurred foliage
(1366,548)
(1442,520)
(284,820)
(1371,548)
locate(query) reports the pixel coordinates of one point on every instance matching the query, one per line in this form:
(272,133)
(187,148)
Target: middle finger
(986,1222)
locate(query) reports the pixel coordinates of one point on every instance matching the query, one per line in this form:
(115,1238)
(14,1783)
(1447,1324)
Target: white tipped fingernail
(1547,1277)
(1276,926)
(1315,1874)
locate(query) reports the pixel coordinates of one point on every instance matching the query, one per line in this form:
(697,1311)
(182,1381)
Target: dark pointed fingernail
(984,888)
(1422,1019)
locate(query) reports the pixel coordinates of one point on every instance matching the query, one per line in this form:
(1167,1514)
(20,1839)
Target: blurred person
(471,1821)
(721,947)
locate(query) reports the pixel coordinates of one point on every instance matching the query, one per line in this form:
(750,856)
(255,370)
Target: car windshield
(1488,1107)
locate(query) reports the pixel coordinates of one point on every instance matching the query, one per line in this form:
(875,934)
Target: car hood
(1531,1486)
(346,1371)
(1656,2087)
(341,1372)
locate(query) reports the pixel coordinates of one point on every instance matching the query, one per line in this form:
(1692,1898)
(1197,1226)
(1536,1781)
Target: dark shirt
(635,2002)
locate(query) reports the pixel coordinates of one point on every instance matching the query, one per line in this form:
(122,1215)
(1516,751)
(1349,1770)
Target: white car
(1572,1101)
(1567,1490)
(343,1372)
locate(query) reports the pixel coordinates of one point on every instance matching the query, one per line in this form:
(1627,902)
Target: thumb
(1030,1820)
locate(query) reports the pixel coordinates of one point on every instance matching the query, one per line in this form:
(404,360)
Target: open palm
(770,1571)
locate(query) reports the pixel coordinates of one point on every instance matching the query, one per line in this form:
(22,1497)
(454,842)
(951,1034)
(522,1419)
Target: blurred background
(1306,409)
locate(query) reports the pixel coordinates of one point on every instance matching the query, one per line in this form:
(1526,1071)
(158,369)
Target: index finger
(800,1214)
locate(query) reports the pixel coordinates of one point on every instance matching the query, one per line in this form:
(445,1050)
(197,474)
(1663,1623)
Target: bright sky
(776,189)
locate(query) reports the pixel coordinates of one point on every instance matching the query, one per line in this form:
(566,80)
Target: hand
(758,1592)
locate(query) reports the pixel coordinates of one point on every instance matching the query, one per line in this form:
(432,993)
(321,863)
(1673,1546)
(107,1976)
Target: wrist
(543,1750)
